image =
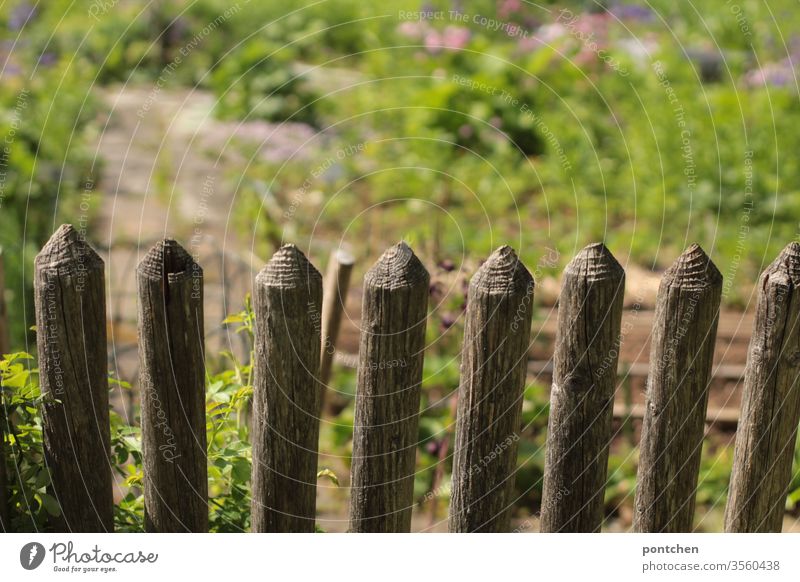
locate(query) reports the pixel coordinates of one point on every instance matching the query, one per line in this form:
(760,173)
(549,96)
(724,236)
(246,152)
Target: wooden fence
(288,395)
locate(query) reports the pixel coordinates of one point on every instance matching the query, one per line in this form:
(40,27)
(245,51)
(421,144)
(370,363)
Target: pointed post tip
(397,267)
(503,273)
(288,267)
(65,249)
(693,269)
(168,259)
(596,263)
(787,263)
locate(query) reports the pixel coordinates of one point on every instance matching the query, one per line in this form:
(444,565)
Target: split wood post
(69,296)
(394,315)
(681,356)
(767,431)
(287,394)
(172,383)
(4,349)
(5,332)
(493,365)
(582,395)
(334,300)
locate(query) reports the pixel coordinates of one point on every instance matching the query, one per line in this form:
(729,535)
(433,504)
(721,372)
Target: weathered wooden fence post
(681,356)
(69,286)
(394,316)
(5,332)
(337,283)
(4,349)
(172,382)
(767,431)
(493,365)
(582,395)
(287,393)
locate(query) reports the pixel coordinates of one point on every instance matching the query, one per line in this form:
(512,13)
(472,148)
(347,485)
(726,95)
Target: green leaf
(327,473)
(50,505)
(241,471)
(42,479)
(18,380)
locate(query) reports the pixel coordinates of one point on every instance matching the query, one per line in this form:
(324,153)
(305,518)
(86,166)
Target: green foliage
(28,478)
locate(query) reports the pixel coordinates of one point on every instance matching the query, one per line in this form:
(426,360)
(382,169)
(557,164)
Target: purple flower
(633,12)
(466,131)
(47,59)
(427,7)
(773,74)
(21,15)
(447,265)
(448,321)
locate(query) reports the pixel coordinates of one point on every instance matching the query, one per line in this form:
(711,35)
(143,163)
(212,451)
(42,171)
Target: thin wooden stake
(582,396)
(69,287)
(5,332)
(337,283)
(172,382)
(287,394)
(394,315)
(765,438)
(493,364)
(4,349)
(681,356)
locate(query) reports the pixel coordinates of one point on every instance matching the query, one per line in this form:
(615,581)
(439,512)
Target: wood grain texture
(767,432)
(4,349)
(287,394)
(582,395)
(394,315)
(493,364)
(5,341)
(681,355)
(172,383)
(69,288)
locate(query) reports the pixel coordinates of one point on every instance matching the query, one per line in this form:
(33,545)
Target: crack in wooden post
(172,383)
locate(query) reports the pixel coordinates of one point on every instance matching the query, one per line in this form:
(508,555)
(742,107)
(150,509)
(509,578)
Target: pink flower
(528,44)
(508,7)
(433,41)
(453,38)
(550,32)
(412,29)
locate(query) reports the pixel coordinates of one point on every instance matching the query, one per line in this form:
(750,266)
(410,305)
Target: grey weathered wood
(337,283)
(4,349)
(172,383)
(393,316)
(765,439)
(582,395)
(69,287)
(287,394)
(5,338)
(493,364)
(681,356)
